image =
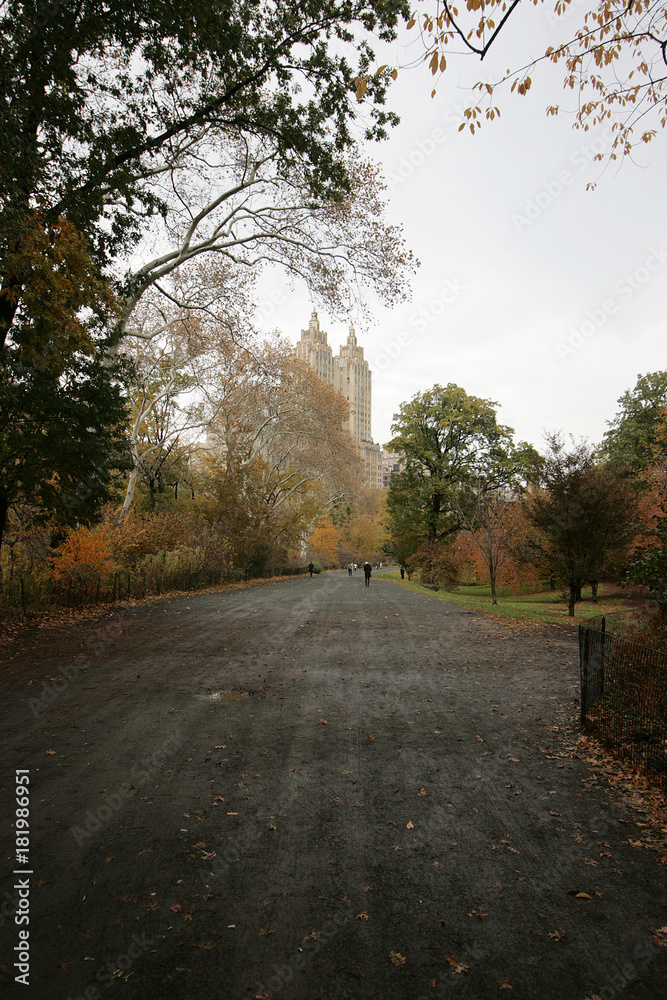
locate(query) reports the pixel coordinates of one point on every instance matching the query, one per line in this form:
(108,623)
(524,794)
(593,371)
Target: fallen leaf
(410,825)
(206,945)
(396,958)
(477,913)
(265,931)
(422,791)
(557,935)
(455,964)
(51,753)
(369,737)
(362,916)
(503,984)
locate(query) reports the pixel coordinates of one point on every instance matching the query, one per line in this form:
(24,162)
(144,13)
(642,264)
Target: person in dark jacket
(310,568)
(367,574)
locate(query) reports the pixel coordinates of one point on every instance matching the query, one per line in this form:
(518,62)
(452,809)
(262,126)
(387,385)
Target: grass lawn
(546,607)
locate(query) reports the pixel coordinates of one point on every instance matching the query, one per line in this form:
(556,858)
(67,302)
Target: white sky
(514,263)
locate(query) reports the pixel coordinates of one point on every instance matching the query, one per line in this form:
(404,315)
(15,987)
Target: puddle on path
(226,695)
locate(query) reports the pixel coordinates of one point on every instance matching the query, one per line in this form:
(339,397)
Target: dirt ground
(315,791)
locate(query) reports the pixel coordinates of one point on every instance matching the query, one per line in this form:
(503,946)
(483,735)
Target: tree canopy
(632,439)
(448,438)
(584,513)
(89,124)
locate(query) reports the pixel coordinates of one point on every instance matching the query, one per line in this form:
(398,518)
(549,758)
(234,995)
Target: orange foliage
(84,557)
(651,507)
(324,541)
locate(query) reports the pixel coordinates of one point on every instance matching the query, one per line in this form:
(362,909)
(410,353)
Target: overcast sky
(532,291)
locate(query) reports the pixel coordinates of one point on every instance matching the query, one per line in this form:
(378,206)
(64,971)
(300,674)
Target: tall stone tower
(314,349)
(350,374)
(352,378)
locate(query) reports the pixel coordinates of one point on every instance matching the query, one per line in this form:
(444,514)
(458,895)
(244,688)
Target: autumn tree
(230,207)
(361,523)
(279,454)
(584,511)
(486,506)
(324,541)
(448,439)
(647,562)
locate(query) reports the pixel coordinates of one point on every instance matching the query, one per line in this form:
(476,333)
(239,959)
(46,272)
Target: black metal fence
(624,697)
(25,592)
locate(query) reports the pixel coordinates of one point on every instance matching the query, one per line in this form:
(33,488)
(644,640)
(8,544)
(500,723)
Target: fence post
(585,658)
(23,596)
(602,656)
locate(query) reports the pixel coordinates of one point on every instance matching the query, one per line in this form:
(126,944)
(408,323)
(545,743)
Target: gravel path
(312,790)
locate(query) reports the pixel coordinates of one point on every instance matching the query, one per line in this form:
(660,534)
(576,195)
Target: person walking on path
(349,569)
(402,572)
(367,574)
(310,568)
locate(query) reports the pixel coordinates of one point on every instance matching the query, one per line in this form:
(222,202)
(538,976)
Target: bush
(83,558)
(437,563)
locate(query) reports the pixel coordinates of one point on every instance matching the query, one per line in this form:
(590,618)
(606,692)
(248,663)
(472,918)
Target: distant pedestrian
(367,574)
(349,569)
(354,566)
(402,572)
(311,568)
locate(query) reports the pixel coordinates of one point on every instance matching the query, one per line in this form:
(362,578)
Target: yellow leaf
(410,825)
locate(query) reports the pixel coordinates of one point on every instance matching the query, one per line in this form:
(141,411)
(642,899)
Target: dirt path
(364,811)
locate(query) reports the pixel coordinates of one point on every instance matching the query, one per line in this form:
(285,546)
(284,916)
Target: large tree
(448,439)
(486,505)
(584,512)
(62,439)
(632,439)
(99,100)
(279,457)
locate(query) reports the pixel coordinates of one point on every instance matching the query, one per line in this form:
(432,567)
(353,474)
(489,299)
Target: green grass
(545,607)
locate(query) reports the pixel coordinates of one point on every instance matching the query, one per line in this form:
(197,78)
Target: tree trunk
(552,582)
(578,592)
(492,577)
(573,597)
(129,493)
(594,589)
(4,511)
